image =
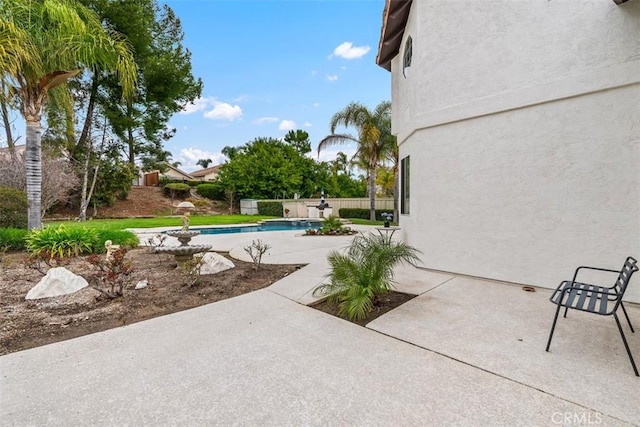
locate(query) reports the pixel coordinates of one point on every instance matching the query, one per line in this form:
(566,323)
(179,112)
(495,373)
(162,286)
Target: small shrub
(13,209)
(362,272)
(13,239)
(198,202)
(331,223)
(270,208)
(61,241)
(212,191)
(192,269)
(155,242)
(256,250)
(112,274)
(176,190)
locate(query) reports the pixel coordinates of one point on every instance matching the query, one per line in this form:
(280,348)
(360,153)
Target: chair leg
(565,311)
(626,315)
(553,327)
(626,345)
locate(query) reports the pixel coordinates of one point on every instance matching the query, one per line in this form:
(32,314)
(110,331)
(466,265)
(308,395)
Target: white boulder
(58,281)
(213,263)
(142,284)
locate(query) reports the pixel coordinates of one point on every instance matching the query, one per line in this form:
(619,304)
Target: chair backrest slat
(630,266)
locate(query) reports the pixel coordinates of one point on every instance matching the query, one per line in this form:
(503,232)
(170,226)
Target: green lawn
(121,224)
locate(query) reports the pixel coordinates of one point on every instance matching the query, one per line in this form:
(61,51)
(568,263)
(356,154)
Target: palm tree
(373,142)
(42,45)
(363,272)
(204,163)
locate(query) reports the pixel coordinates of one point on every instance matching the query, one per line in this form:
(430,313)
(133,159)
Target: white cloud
(188,158)
(348,51)
(197,105)
(316,104)
(263,120)
(314,72)
(241,98)
(287,125)
(307,124)
(224,111)
(332,77)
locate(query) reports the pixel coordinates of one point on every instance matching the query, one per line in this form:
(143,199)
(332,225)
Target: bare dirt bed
(27,324)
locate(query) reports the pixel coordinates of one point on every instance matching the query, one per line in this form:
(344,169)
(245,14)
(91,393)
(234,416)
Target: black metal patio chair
(596,299)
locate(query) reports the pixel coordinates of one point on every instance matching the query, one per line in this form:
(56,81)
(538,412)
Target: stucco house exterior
(207,174)
(518,124)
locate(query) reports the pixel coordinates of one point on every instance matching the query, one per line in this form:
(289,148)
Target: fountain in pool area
(185,251)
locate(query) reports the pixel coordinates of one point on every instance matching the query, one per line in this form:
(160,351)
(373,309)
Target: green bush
(13,209)
(190,182)
(176,190)
(212,191)
(61,241)
(118,237)
(13,239)
(270,208)
(361,213)
(362,272)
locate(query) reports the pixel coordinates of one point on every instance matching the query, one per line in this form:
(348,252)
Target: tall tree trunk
(372,193)
(86,198)
(84,136)
(7,128)
(131,139)
(33,156)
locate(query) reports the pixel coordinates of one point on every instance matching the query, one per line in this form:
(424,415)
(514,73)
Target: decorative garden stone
(58,281)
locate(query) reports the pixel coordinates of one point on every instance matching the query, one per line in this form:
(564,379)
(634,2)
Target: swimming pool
(281,225)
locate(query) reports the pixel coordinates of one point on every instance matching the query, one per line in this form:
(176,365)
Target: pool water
(266,226)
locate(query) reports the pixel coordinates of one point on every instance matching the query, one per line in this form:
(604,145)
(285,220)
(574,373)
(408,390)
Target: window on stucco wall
(404,189)
(406,57)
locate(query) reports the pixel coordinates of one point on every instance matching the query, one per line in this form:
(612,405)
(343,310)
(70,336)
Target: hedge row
(211,191)
(270,208)
(362,213)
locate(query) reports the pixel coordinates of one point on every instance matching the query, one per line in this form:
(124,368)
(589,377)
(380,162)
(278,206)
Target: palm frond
(362,271)
(335,139)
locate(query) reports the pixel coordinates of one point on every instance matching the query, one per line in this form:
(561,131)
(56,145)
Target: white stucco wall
(522,120)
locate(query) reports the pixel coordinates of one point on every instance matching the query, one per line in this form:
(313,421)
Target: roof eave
(394,21)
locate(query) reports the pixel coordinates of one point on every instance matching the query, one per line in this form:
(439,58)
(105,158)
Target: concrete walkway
(465,352)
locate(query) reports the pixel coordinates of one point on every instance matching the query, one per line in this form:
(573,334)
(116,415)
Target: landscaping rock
(213,263)
(142,284)
(58,281)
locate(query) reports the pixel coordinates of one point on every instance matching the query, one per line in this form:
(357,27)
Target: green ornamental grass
(61,241)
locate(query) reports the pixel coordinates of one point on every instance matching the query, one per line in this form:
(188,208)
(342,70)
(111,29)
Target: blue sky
(269,66)
(273,65)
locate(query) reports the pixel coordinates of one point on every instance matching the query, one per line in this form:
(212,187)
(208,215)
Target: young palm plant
(362,272)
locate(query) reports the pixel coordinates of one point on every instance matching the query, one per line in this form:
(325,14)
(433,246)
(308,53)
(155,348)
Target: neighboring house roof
(175,169)
(204,172)
(394,20)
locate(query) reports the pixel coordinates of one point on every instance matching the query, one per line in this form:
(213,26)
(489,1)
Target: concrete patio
(464,352)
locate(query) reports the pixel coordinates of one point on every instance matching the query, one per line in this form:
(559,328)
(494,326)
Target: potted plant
(388,217)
